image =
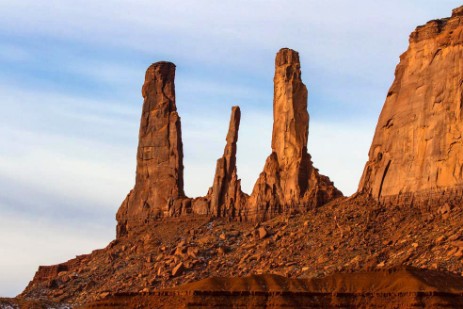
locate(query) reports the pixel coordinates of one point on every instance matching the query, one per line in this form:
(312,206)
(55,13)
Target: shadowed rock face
(289,180)
(417,147)
(158,187)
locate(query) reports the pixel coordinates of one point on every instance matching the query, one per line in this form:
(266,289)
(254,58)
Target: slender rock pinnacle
(159,176)
(289,180)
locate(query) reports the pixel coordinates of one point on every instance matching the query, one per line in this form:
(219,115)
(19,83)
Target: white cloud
(336,34)
(71,170)
(69,154)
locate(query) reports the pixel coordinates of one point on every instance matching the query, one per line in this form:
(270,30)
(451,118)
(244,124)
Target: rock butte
(416,153)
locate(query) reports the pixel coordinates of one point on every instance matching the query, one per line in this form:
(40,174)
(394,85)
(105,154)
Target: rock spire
(226,197)
(289,180)
(158,187)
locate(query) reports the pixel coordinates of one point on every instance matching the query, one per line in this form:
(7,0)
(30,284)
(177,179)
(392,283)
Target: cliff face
(289,181)
(417,146)
(158,189)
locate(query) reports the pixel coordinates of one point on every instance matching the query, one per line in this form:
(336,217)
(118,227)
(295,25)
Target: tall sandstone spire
(158,187)
(289,180)
(226,197)
(417,149)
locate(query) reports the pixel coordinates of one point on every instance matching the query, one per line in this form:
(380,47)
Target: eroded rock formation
(226,197)
(348,235)
(289,180)
(158,187)
(416,150)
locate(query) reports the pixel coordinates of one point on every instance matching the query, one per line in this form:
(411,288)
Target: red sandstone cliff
(417,146)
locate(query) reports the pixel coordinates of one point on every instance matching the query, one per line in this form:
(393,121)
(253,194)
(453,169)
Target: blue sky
(70,98)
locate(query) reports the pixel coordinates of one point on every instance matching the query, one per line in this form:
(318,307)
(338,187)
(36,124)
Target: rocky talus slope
(346,235)
(407,211)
